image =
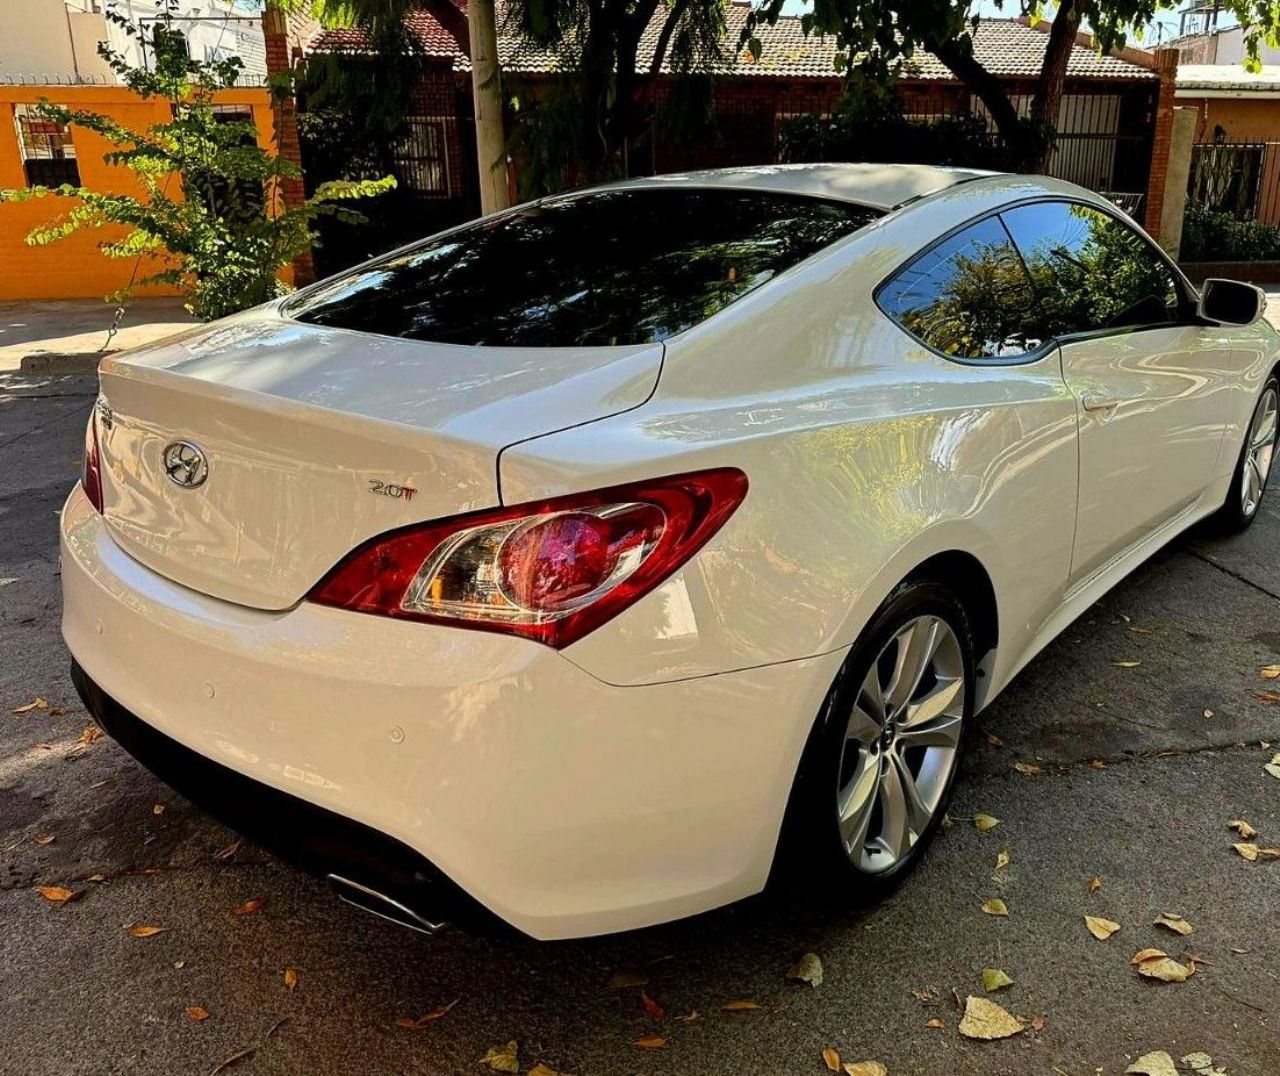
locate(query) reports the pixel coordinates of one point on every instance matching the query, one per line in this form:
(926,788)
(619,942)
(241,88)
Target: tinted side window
(1090,270)
(967,297)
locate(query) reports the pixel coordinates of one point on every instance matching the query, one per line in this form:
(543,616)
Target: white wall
(56,40)
(44,40)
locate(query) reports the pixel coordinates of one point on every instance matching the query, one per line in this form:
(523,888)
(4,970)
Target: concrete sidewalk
(71,335)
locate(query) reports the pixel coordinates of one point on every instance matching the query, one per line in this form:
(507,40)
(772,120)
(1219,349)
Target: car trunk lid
(317,439)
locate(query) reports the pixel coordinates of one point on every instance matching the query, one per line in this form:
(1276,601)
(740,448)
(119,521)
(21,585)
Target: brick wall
(282,35)
(1166,66)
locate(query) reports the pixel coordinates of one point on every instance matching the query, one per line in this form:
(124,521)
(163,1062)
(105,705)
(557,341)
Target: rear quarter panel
(866,454)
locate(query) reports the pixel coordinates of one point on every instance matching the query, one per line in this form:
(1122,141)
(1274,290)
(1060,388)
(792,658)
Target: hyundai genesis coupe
(578,565)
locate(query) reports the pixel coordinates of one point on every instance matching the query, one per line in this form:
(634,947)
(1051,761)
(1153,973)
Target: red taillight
(91,475)
(551,571)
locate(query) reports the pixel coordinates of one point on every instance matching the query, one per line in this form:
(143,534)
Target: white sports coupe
(573,566)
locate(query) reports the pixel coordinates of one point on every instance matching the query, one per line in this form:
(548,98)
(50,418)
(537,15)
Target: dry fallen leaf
(1273,768)
(91,734)
(1243,828)
(984,822)
(146,931)
(37,704)
(1201,1064)
(986,1020)
(1267,696)
(994,979)
(1126,664)
(157,808)
(995,906)
(44,838)
(646,1042)
(1002,860)
(935,1023)
(56,893)
(542,1070)
(224,854)
(502,1058)
(1147,954)
(865,1068)
(248,907)
(1037,1023)
(422,1021)
(1269,672)
(1207,712)
(808,969)
(1269,853)
(1097,764)
(96,878)
(1100,928)
(1095,883)
(994,740)
(1248,851)
(291,980)
(1174,922)
(1157,964)
(831,1058)
(656,1011)
(689,1018)
(196,1013)
(739,1006)
(1156,1063)
(1029,768)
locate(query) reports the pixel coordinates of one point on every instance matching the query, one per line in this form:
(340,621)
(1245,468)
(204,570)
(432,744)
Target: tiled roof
(1232,77)
(435,39)
(1006,47)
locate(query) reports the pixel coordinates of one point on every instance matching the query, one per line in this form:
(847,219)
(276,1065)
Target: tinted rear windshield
(609,267)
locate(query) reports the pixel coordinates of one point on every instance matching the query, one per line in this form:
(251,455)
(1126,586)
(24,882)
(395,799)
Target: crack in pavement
(1192,552)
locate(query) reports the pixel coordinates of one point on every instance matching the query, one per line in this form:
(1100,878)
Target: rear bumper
(321,841)
(563,805)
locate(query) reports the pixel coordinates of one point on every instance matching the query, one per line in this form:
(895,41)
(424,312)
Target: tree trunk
(1022,144)
(1047,102)
(486,90)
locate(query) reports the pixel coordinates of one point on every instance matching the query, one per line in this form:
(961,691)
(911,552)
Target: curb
(62,362)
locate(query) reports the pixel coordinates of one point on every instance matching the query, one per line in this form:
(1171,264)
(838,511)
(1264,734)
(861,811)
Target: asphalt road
(1142,768)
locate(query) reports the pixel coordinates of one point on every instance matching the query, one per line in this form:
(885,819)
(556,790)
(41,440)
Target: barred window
(48,154)
(421,158)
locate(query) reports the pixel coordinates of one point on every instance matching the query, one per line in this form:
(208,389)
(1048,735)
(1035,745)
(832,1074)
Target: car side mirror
(1230,302)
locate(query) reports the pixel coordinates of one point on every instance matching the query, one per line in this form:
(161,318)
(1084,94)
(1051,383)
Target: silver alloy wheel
(1259,452)
(900,744)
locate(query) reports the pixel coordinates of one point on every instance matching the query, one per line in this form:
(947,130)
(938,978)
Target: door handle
(1098,401)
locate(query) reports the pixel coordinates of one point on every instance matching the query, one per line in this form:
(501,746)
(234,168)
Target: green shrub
(1209,235)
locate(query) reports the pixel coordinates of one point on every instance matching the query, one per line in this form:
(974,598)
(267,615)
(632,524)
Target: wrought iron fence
(1233,202)
(1239,179)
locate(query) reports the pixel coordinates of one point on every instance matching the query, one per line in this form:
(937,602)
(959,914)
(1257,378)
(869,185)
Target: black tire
(1234,516)
(811,849)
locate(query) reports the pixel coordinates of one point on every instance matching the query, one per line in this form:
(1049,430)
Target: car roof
(881,186)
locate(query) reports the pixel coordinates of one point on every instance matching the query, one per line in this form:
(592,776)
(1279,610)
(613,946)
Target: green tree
(210,219)
(597,43)
(875,36)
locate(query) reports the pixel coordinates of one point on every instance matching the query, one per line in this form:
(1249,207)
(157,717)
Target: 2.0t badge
(185,464)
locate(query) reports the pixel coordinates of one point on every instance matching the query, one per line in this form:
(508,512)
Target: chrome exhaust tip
(384,907)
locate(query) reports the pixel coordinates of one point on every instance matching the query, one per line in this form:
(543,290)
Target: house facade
(1235,159)
(1113,124)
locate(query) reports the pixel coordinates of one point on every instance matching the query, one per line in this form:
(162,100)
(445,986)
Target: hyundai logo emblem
(185,464)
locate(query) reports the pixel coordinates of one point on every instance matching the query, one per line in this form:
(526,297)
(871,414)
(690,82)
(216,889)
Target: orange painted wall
(73,268)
